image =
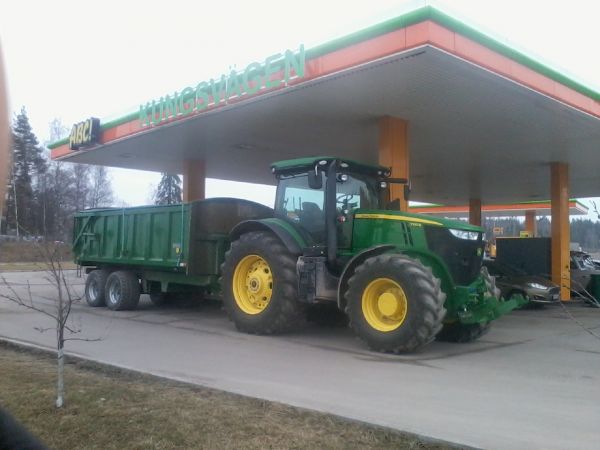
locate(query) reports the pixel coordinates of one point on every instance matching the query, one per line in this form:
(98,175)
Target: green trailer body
(174,245)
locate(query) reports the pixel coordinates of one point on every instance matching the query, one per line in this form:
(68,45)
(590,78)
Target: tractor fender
(438,267)
(356,260)
(284,232)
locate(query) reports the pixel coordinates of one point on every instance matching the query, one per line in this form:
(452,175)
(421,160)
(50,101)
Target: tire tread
(290,313)
(431,297)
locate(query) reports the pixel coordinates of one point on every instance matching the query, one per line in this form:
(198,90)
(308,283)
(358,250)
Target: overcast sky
(76,59)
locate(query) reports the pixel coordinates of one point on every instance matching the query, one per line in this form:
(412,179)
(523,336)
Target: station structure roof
(541,208)
(485,121)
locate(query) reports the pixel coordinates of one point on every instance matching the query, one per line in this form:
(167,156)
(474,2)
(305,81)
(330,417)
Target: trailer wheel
(122,290)
(260,285)
(395,303)
(94,287)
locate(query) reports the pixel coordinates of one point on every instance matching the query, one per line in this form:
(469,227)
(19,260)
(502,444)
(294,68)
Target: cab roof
(297,165)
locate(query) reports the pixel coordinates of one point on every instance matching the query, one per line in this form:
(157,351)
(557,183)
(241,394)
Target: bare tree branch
(16,298)
(60,312)
(43,330)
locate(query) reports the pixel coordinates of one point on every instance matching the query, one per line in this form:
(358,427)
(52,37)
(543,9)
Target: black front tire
(95,284)
(122,290)
(283,312)
(463,333)
(424,303)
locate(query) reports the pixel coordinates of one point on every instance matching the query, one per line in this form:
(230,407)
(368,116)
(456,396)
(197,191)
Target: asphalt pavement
(532,382)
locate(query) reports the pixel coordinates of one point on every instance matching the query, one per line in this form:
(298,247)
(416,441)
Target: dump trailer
(162,250)
(333,237)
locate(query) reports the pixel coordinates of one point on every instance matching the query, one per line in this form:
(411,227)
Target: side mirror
(315,180)
(407,190)
(404,181)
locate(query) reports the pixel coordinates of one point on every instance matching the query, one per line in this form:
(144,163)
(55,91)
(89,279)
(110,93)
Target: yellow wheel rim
(384,304)
(252,284)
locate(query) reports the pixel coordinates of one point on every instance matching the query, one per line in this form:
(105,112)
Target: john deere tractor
(333,238)
(403,279)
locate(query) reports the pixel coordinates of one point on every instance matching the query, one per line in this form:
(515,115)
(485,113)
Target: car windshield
(585,262)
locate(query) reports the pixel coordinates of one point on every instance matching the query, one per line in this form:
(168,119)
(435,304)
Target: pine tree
(169,190)
(27,167)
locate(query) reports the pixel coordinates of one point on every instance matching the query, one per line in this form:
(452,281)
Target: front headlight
(461,234)
(537,286)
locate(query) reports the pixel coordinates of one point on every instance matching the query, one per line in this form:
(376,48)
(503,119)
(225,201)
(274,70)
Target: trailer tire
(395,303)
(463,333)
(259,285)
(122,290)
(95,284)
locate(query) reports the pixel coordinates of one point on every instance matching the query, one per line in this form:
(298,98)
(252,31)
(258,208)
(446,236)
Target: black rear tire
(281,312)
(420,300)
(122,290)
(95,284)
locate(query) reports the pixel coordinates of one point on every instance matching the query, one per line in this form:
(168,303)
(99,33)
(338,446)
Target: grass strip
(111,408)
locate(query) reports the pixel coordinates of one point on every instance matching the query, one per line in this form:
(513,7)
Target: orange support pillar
(475,211)
(194,180)
(530,223)
(393,152)
(559,189)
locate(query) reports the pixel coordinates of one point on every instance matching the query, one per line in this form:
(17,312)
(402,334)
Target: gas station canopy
(538,209)
(484,121)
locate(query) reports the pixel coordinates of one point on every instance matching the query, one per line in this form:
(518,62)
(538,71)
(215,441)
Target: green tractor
(402,279)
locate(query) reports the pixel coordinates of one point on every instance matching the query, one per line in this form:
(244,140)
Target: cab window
(300,204)
(353,191)
(356,191)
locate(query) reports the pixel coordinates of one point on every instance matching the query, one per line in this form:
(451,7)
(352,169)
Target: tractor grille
(460,255)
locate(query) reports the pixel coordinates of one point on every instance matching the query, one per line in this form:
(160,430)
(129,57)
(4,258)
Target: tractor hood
(417,218)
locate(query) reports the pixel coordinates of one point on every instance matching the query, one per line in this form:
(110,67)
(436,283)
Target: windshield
(298,203)
(356,191)
(585,262)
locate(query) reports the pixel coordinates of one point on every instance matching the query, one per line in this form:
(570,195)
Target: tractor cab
(320,195)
